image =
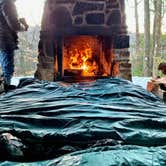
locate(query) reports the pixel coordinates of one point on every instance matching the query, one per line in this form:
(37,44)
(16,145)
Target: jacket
(9,25)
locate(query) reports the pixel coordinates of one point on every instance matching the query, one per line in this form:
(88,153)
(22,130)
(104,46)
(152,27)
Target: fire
(89,56)
(83,59)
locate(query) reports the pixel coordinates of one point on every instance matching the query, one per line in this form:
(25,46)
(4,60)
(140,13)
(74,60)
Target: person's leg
(7,64)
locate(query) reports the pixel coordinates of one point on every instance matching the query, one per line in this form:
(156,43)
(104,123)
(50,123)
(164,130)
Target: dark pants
(7,64)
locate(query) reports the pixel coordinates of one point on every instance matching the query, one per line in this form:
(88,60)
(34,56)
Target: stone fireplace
(83,38)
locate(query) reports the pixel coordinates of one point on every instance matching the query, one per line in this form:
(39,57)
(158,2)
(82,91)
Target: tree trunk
(137,40)
(156,34)
(146,58)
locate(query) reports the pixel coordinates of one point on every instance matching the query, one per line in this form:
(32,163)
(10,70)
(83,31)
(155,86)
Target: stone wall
(82,17)
(63,15)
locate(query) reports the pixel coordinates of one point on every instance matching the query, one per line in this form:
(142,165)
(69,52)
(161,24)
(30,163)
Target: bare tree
(146,59)
(156,33)
(137,40)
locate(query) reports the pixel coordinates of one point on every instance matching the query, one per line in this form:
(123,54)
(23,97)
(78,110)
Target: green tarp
(105,122)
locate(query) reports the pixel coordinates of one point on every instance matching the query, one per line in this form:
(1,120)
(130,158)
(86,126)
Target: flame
(89,56)
(83,59)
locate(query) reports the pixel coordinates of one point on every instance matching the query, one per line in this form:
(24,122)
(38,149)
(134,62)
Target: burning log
(73,72)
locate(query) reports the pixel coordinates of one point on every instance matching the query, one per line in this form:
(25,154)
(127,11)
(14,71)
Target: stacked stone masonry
(105,13)
(83,17)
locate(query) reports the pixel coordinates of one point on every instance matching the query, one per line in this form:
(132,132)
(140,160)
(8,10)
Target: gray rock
(83,7)
(95,18)
(11,146)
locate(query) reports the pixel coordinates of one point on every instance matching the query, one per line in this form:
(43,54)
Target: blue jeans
(7,64)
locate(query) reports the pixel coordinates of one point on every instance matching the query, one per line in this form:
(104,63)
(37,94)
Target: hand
(26,27)
(23,22)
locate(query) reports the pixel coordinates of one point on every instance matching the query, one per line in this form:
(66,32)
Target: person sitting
(158,85)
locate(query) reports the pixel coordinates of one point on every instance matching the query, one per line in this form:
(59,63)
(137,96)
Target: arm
(10,13)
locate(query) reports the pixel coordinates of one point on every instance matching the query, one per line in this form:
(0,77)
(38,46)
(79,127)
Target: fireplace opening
(86,56)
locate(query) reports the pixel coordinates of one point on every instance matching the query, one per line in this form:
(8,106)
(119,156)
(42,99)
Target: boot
(9,87)
(2,84)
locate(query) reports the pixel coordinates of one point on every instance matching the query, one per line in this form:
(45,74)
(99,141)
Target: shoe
(2,88)
(9,87)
